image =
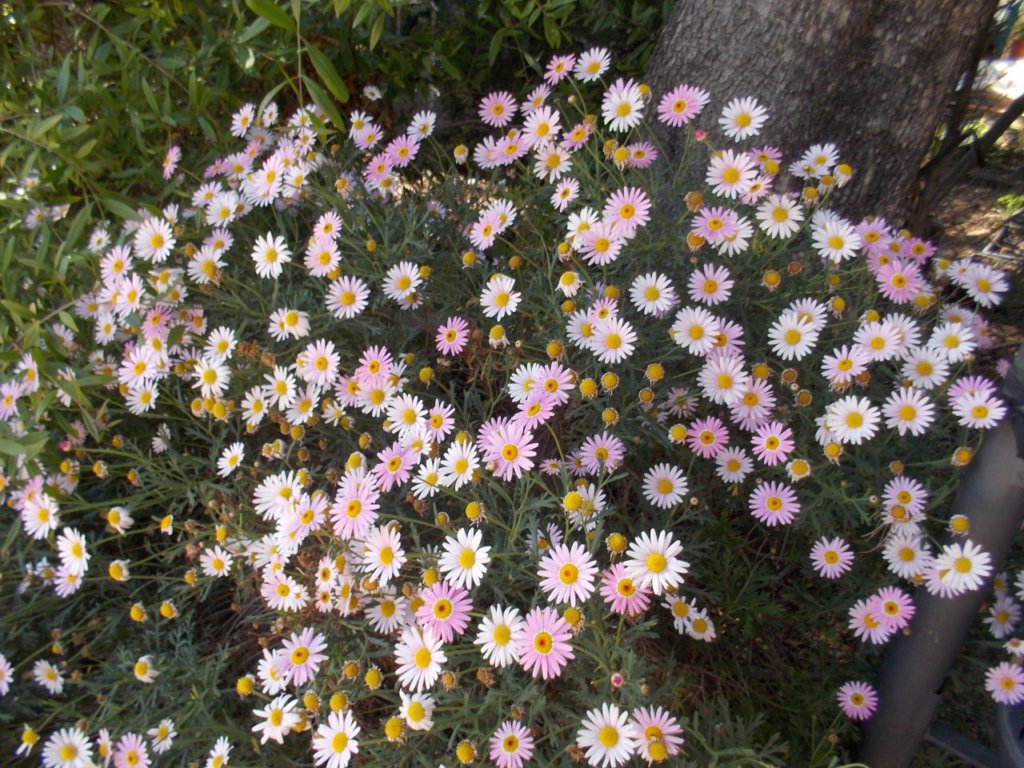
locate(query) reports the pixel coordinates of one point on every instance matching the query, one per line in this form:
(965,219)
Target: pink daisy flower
(394,466)
(898,281)
(171,160)
(452,336)
(716,224)
(559,68)
(866,623)
(156,323)
(907,493)
(511,745)
(509,446)
(971,385)
(378,168)
(484,231)
(680,105)
(374,366)
(1006,683)
(440,420)
(355,508)
(567,574)
(641,154)
(711,284)
(772,443)
(535,410)
(131,752)
(558,381)
(628,208)
(844,363)
(566,191)
(535,99)
(622,593)
(302,655)
(917,249)
(707,437)
(831,558)
(893,607)
(659,733)
(774,504)
(497,108)
(445,610)
(602,451)
(402,150)
(857,700)
(544,647)
(576,137)
(754,405)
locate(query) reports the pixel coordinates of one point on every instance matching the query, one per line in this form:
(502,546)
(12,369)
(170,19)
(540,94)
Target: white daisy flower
(665,485)
(963,567)
(792,337)
(270,253)
(742,118)
(499,298)
(852,419)
(419,656)
(498,636)
(653,562)
(608,737)
(230,459)
(464,560)
(835,238)
(652,293)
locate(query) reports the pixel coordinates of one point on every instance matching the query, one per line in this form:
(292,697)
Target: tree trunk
(875,77)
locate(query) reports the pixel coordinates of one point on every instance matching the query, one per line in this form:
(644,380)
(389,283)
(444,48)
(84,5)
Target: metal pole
(914,669)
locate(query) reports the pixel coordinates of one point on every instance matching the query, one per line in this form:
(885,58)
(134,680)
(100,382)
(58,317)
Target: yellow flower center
(608,737)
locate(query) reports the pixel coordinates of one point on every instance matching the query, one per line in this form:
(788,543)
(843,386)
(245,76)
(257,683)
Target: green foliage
(1011,203)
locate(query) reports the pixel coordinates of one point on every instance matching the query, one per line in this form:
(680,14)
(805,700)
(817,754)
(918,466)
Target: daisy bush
(393,444)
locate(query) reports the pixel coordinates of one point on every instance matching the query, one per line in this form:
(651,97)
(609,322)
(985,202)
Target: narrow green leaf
(208,130)
(449,66)
(340,6)
(270,96)
(365,9)
(63,79)
(322,100)
(328,73)
(68,320)
(26,445)
(551,32)
(83,151)
(18,311)
(147,91)
(377,31)
(77,227)
(75,113)
(272,13)
(119,209)
(253,30)
(41,128)
(495,47)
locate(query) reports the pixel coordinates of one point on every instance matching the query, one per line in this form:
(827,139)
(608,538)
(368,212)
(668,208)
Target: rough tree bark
(873,76)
